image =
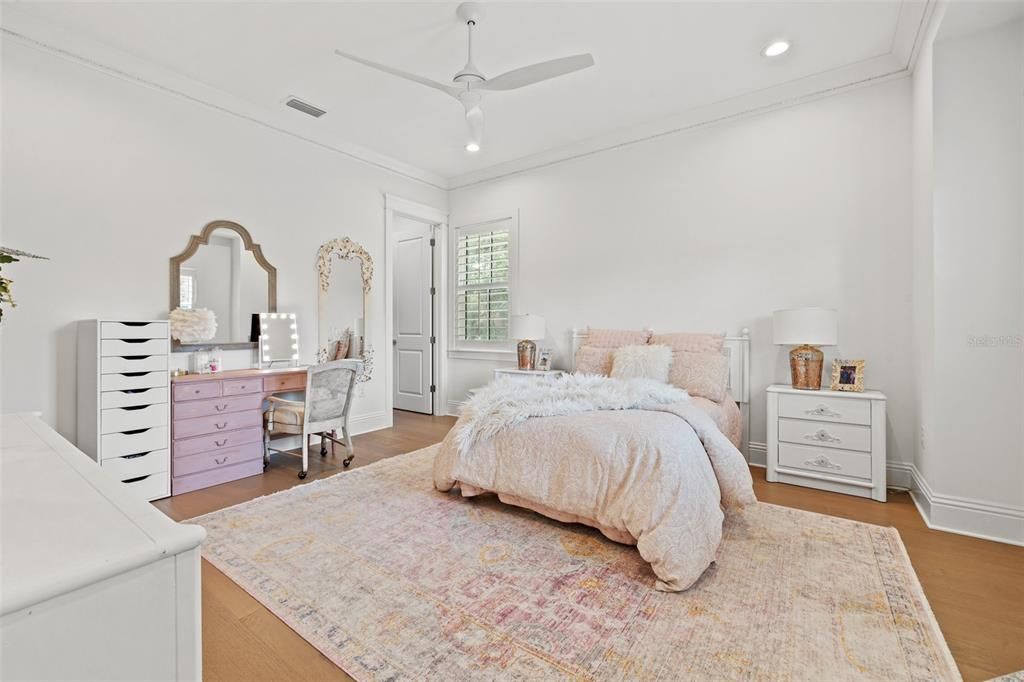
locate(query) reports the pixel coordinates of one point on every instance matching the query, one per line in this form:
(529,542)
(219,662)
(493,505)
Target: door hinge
(433,388)
(433,340)
(433,242)
(433,291)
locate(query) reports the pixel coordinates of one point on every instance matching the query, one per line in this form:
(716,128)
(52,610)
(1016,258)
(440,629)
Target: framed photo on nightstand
(848,375)
(544,360)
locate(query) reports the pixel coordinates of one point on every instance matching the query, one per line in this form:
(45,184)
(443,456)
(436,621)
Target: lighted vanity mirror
(224,272)
(278,340)
(345,273)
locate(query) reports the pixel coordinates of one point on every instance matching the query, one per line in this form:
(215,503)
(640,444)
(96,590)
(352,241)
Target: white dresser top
(868,395)
(65,523)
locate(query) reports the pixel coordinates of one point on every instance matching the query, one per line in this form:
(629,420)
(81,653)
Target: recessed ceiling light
(776,48)
(472,147)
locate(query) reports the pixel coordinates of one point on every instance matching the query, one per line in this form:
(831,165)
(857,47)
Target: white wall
(978,247)
(713,230)
(109,178)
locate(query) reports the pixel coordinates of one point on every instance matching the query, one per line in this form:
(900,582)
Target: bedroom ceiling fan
(470,82)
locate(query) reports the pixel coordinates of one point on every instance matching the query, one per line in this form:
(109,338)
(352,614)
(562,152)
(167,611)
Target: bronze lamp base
(527,354)
(805,364)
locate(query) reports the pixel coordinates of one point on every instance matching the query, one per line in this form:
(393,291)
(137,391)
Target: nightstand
(528,374)
(830,440)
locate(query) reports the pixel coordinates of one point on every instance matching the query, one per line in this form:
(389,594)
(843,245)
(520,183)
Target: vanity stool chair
(324,412)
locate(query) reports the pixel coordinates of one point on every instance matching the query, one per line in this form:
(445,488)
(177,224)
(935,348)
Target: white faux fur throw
(506,402)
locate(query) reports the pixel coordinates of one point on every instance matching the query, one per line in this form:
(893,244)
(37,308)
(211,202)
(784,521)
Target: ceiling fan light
(776,48)
(472,146)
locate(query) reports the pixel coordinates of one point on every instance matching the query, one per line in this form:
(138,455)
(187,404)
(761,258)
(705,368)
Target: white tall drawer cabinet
(831,440)
(124,401)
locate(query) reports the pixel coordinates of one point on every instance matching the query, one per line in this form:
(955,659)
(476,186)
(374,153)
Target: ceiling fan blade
(447,89)
(528,75)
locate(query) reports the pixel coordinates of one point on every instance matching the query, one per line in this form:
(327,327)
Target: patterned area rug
(393,580)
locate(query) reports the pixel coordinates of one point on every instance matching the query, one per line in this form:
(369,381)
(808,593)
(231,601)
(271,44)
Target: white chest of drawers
(124,401)
(97,584)
(830,440)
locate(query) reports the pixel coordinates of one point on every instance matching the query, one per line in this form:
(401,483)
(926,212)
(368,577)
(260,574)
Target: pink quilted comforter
(657,477)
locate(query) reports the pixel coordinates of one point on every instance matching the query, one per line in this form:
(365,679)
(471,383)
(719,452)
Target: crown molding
(21,26)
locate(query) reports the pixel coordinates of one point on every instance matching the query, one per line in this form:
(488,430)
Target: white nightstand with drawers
(831,440)
(528,374)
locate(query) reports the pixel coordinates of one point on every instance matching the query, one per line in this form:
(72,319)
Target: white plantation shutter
(483,267)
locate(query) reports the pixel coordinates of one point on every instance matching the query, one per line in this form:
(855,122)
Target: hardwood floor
(975,587)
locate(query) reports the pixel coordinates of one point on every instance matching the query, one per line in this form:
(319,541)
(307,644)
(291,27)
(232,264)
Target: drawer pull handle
(822,436)
(220,461)
(823,411)
(197,391)
(220,443)
(220,408)
(137,479)
(221,426)
(141,454)
(823,462)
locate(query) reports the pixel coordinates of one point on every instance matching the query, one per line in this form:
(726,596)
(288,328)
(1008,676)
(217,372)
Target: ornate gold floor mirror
(345,275)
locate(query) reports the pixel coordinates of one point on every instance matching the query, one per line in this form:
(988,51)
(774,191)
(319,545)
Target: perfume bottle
(216,364)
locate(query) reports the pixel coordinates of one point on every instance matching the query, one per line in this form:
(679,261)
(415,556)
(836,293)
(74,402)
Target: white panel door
(413,324)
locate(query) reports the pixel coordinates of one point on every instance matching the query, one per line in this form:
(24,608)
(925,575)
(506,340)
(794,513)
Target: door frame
(397,206)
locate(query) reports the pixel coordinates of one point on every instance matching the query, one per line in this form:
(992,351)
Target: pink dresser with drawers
(217,424)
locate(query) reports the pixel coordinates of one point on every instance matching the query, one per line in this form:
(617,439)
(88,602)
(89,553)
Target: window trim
(462,348)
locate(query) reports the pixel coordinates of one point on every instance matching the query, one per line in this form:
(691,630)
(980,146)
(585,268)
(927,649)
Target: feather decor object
(11,256)
(193,326)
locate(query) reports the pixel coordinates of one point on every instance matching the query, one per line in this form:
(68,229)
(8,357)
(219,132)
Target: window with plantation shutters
(483,278)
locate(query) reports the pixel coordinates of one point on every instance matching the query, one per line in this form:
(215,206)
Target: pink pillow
(693,343)
(704,375)
(591,360)
(616,338)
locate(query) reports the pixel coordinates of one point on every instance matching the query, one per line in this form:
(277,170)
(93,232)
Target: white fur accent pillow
(642,362)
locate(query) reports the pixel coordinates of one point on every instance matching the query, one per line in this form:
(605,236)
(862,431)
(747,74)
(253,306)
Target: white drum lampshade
(806,328)
(527,328)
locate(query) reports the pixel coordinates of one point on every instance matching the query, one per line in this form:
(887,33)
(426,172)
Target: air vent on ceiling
(304,107)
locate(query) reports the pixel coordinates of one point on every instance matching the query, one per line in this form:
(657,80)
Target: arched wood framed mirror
(224,270)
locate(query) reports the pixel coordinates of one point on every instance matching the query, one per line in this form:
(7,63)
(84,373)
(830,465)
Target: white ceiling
(653,61)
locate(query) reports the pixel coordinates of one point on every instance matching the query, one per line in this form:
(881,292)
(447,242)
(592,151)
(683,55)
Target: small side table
(830,440)
(528,374)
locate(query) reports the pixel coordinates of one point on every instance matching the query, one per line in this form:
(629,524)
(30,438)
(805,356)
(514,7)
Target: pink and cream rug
(393,580)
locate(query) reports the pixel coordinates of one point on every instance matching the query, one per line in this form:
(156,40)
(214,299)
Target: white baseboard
(757,454)
(964,516)
(454,408)
(899,475)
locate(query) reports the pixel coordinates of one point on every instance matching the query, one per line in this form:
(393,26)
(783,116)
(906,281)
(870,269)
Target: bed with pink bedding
(639,460)
(726,415)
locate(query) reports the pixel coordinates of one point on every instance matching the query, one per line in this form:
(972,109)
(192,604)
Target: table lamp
(528,328)
(805,328)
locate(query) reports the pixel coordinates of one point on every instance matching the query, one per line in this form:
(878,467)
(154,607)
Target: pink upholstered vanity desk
(217,424)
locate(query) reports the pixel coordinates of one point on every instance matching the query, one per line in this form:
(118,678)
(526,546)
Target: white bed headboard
(736,347)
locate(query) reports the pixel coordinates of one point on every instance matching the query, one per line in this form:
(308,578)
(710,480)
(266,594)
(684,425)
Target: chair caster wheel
(346,462)
(302,474)
(323,452)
